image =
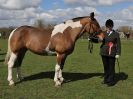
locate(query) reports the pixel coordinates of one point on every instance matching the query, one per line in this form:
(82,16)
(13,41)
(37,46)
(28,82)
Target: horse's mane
(48,30)
(73,19)
(78,18)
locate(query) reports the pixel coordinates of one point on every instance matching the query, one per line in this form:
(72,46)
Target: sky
(26,12)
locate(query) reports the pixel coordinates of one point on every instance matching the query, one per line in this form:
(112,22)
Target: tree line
(39,23)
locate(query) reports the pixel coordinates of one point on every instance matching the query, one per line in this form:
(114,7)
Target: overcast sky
(25,12)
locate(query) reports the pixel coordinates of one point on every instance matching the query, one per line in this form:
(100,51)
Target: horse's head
(90,24)
(92,27)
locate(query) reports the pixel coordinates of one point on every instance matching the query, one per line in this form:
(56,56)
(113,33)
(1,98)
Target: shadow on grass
(2,53)
(2,60)
(70,77)
(120,76)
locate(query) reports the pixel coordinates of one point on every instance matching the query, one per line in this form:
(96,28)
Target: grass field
(83,73)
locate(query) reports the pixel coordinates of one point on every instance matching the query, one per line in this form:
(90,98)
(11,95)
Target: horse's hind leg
(19,62)
(11,63)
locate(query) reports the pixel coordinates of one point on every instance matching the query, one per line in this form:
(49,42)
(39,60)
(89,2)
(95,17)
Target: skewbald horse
(61,41)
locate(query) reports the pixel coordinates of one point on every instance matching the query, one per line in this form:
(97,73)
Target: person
(110,50)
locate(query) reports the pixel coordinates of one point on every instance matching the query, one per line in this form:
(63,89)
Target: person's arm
(95,39)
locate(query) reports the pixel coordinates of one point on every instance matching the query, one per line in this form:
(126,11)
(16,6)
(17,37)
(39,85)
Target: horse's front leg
(58,78)
(62,66)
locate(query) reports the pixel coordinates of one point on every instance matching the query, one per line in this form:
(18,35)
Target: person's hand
(89,39)
(117,56)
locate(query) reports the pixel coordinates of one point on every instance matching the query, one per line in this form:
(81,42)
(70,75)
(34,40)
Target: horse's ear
(92,15)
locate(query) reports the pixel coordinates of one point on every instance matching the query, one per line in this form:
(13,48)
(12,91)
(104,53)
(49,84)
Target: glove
(117,56)
(89,39)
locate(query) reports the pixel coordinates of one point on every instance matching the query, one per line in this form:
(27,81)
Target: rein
(118,65)
(90,46)
(90,43)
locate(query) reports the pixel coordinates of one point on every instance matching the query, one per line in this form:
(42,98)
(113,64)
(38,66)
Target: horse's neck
(74,34)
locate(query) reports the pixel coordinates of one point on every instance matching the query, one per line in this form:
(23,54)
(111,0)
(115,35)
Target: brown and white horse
(61,41)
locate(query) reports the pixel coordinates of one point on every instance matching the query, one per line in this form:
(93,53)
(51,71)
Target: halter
(85,28)
(90,43)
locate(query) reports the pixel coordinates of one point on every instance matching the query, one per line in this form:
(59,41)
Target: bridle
(85,28)
(90,43)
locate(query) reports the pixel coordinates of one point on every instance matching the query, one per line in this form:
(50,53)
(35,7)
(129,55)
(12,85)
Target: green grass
(82,71)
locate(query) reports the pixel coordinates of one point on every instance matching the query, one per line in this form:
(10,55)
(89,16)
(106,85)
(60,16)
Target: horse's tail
(8,53)
(9,48)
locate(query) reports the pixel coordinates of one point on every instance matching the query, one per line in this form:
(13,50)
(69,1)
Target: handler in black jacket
(109,51)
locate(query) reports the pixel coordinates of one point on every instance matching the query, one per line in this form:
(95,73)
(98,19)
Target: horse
(127,35)
(61,40)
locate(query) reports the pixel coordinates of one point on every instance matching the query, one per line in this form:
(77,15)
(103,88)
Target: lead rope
(90,46)
(118,65)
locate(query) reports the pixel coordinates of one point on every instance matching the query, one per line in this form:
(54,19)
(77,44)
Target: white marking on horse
(61,27)
(10,66)
(56,80)
(57,68)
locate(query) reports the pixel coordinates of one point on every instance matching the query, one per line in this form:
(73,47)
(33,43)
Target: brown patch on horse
(61,41)
(26,37)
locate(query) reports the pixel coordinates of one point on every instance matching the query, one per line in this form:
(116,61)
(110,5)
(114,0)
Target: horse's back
(29,37)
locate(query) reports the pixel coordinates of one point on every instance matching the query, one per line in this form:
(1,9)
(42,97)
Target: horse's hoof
(57,84)
(20,78)
(11,84)
(61,80)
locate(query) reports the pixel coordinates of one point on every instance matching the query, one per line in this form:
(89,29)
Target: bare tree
(39,23)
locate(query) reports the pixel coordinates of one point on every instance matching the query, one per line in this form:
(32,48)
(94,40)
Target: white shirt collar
(110,33)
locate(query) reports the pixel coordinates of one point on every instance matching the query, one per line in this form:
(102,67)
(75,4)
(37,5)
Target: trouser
(109,68)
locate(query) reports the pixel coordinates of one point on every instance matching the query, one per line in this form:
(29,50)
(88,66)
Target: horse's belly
(39,51)
(37,48)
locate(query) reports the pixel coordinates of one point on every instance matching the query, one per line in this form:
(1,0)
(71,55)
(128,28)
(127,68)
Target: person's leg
(111,71)
(105,61)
